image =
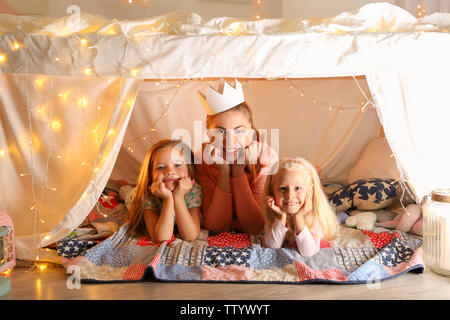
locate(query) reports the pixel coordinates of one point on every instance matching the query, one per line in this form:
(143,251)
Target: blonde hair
(247,112)
(322,212)
(136,223)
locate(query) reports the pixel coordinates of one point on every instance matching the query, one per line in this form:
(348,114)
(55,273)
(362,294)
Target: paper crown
(222,99)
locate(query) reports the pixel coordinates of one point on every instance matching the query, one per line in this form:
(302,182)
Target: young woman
(234,165)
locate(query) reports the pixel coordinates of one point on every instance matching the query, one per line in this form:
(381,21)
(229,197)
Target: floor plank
(51,284)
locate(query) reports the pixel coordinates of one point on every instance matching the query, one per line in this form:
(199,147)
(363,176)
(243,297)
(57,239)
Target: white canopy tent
(83,98)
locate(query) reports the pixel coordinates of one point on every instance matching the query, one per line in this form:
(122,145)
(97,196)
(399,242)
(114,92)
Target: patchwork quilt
(355,256)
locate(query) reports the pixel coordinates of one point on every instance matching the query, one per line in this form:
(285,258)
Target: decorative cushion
(369,194)
(375,161)
(70,248)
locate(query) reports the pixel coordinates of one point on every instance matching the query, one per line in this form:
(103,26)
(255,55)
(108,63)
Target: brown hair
(136,223)
(247,112)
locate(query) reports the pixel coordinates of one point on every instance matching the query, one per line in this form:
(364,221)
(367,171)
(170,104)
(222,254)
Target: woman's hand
(213,155)
(184,185)
(158,188)
(244,157)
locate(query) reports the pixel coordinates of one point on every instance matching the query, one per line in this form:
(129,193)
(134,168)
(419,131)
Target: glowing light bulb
(2,153)
(111,132)
(56,125)
(110,31)
(84,42)
(42,266)
(46,237)
(130,102)
(2,57)
(64,95)
(39,82)
(6,273)
(87,71)
(16,45)
(82,102)
(134,72)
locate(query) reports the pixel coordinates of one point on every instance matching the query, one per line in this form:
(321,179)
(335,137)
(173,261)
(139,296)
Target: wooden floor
(51,284)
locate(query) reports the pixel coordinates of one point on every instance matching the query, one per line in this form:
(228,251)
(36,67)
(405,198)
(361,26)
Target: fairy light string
(258,9)
(152,128)
(34,207)
(315,100)
(367,104)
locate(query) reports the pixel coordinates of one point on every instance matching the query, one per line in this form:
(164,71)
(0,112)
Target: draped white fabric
(182,45)
(414,109)
(59,139)
(55,71)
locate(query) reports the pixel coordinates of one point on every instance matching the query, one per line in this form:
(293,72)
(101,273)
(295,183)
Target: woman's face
(290,187)
(169,166)
(230,131)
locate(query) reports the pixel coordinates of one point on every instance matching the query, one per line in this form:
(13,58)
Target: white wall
(431,5)
(322,8)
(206,8)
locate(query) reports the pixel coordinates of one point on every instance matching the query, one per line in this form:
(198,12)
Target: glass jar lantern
(436,231)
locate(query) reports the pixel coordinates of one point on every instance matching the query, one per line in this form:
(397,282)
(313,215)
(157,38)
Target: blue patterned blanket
(355,256)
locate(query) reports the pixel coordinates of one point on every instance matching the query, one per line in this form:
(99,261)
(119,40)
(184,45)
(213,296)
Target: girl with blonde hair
(296,208)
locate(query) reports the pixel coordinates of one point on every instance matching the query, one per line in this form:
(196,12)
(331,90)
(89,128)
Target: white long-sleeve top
(308,242)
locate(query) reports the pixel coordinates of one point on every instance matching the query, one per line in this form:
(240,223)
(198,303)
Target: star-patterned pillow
(71,248)
(367,194)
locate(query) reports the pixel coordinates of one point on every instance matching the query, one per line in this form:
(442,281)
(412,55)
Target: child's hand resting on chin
(184,185)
